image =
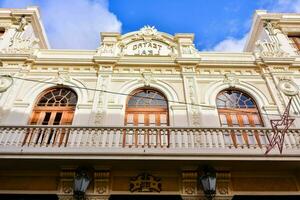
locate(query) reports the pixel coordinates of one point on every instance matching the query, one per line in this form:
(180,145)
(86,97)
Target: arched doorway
(147,107)
(237,109)
(55,106)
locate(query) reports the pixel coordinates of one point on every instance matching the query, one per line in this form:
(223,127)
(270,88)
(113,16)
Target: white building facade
(147,102)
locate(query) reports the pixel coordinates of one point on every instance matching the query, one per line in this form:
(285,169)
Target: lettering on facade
(147,48)
(145,183)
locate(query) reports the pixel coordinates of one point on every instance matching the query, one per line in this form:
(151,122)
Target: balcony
(143,142)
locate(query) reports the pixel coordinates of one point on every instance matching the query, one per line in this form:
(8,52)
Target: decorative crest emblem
(145,182)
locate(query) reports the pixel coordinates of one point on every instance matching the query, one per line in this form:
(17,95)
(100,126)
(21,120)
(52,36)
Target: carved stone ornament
(189,50)
(145,182)
(67,187)
(101,182)
(6,82)
(271,27)
(107,49)
(231,79)
(269,49)
(288,87)
(189,182)
(147,78)
(62,77)
(223,182)
(147,42)
(147,33)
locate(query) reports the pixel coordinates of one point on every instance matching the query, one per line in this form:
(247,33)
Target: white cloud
(285,6)
(231,44)
(73,24)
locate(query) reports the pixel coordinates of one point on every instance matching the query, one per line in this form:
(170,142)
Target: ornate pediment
(148,42)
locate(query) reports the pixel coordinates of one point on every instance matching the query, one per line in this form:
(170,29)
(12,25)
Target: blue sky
(218,25)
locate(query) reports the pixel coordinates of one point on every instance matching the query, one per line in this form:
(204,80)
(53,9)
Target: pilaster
(100,96)
(65,186)
(190,92)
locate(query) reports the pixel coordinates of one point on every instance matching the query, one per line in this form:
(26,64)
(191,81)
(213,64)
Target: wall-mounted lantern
(81,183)
(208,180)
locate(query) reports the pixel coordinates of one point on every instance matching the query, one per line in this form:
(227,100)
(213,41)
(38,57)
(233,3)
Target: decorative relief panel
(223,183)
(193,100)
(147,78)
(99,116)
(19,43)
(145,182)
(148,41)
(65,186)
(145,42)
(101,182)
(189,182)
(231,79)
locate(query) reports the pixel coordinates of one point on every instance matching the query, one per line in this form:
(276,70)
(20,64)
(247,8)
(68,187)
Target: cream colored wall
(181,72)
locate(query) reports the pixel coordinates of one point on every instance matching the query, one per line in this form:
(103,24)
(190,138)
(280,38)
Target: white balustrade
(142,137)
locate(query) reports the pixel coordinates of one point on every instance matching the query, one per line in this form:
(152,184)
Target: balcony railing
(63,137)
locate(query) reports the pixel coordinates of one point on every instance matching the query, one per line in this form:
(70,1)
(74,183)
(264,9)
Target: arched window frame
(147,110)
(240,112)
(53,115)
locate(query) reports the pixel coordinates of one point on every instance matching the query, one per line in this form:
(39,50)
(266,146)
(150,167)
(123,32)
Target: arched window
(147,107)
(55,106)
(237,109)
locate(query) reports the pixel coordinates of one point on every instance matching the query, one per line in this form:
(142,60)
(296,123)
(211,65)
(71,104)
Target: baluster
(2,132)
(135,137)
(220,137)
(100,133)
(88,138)
(73,137)
(214,138)
(33,139)
(172,138)
(46,137)
(12,136)
(65,137)
(286,142)
(80,137)
(140,137)
(208,138)
(57,133)
(297,138)
(239,138)
(152,137)
(184,142)
(114,137)
(202,138)
(251,139)
(290,135)
(109,137)
(9,137)
(20,135)
(227,138)
(104,137)
(118,138)
(190,135)
(4,135)
(176,138)
(27,136)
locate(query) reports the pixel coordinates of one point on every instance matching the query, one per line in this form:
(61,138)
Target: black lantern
(208,181)
(81,183)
